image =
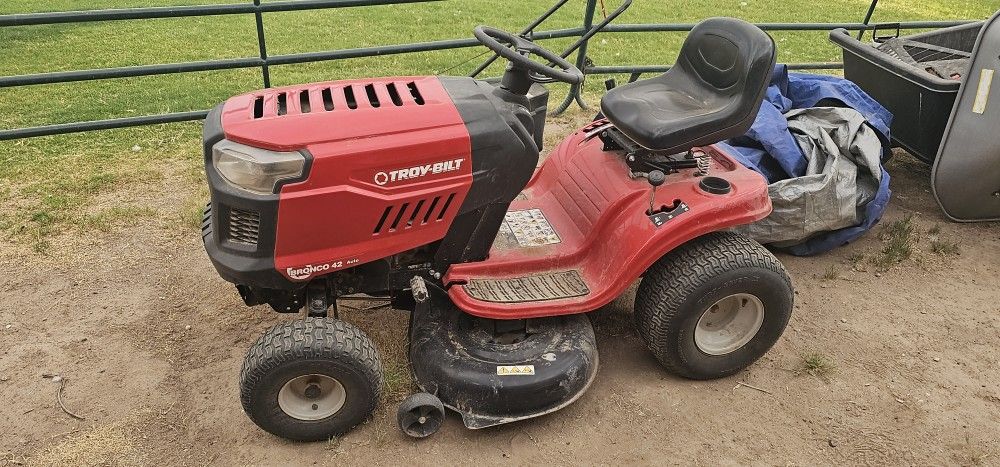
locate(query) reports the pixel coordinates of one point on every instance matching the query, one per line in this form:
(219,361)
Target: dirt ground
(904,364)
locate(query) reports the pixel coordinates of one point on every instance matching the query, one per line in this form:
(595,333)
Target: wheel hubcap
(311,397)
(729,324)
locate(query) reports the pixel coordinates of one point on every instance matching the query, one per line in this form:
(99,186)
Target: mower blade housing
(499,371)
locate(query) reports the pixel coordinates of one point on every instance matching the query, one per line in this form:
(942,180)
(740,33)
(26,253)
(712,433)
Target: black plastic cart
(915,77)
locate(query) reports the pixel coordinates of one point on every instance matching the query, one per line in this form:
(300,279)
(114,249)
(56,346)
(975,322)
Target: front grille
(244,226)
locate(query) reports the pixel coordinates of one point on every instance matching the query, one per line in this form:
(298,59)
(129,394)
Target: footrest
(551,286)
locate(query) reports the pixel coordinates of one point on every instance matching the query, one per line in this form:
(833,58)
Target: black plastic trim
(240,263)
(504,155)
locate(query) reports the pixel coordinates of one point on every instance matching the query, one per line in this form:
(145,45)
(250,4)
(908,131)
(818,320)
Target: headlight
(253,169)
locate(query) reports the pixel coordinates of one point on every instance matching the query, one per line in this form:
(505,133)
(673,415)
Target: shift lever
(655,178)
(666,213)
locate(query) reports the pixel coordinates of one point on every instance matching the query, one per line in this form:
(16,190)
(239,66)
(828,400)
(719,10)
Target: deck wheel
(420,415)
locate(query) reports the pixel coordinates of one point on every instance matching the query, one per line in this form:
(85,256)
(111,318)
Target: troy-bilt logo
(383,178)
(306,271)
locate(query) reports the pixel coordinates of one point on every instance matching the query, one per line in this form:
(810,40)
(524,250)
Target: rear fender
(605,235)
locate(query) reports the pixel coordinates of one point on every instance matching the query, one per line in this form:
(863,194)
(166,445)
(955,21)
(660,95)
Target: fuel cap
(715,185)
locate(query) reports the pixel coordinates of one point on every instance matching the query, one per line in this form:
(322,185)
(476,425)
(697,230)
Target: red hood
(295,117)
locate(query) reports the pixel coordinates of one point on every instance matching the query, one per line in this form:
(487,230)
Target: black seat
(712,93)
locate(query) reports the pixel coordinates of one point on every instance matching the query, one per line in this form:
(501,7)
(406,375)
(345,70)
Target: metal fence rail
(33,19)
(253,62)
(636,70)
(589,27)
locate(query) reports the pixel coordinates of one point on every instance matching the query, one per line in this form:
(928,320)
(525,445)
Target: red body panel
(599,214)
(383,179)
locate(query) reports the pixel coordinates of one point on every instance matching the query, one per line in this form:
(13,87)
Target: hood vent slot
(327,99)
(434,203)
(399,215)
(413,215)
(258,107)
(304,101)
(381,221)
(352,103)
(415,92)
(282,103)
(394,95)
(372,97)
(446,205)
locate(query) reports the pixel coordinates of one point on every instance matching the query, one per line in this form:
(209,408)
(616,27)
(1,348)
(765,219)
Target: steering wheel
(516,49)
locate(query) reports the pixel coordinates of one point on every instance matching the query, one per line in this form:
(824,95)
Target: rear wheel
(311,379)
(713,306)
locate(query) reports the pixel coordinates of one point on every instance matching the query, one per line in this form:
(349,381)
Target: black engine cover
(502,128)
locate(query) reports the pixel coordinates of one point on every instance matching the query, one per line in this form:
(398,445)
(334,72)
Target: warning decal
(515,370)
(530,228)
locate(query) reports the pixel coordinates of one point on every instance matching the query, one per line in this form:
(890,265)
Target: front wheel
(311,379)
(713,306)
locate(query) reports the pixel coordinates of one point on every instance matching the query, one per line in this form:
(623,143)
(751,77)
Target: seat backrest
(731,57)
(713,92)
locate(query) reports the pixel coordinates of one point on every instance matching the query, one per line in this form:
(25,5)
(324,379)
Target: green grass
(945,247)
(940,245)
(899,239)
(856,259)
(52,182)
(816,364)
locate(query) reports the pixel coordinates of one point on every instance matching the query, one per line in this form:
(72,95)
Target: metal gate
(587,30)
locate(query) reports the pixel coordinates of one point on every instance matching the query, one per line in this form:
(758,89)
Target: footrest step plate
(551,286)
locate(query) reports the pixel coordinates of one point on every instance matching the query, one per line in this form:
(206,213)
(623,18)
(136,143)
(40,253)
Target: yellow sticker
(515,370)
(983,93)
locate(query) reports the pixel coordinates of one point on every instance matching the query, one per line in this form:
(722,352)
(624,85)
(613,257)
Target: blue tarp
(770,148)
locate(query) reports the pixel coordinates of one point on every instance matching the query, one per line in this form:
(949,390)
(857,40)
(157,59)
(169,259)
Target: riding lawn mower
(424,191)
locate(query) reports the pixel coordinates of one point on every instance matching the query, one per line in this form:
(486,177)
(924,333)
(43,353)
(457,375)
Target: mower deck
(582,223)
(498,372)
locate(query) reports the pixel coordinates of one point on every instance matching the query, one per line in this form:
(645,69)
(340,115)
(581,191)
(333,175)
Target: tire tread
(309,338)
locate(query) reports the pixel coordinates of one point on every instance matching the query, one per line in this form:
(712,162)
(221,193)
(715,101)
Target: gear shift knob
(656,178)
